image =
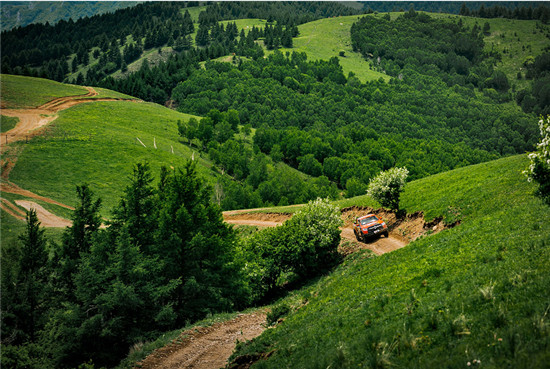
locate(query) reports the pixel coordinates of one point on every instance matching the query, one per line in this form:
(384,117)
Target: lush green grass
(97,143)
(103,92)
(22,92)
(194,13)
(478,291)
(7,123)
(325,38)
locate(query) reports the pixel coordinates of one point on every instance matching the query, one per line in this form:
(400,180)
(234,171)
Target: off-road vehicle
(369,226)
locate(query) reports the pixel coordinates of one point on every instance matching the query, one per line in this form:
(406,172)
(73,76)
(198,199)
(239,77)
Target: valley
(179,183)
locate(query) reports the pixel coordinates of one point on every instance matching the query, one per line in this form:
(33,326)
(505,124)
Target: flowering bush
(539,169)
(387,187)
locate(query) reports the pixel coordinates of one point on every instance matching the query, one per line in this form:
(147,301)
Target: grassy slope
(477,291)
(518,39)
(96,143)
(325,38)
(7,123)
(21,92)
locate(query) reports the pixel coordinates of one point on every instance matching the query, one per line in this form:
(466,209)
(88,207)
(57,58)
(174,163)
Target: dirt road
(206,347)
(31,122)
(379,246)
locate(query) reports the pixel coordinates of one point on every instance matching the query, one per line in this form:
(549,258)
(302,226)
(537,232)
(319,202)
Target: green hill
(326,38)
(473,293)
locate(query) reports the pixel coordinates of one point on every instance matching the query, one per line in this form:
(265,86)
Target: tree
(24,281)
(539,169)
(386,188)
(137,208)
(196,246)
(77,239)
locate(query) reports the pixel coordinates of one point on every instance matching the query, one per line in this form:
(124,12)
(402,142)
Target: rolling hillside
(473,294)
(463,281)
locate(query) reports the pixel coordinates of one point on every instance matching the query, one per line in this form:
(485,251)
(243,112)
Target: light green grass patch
(25,92)
(97,143)
(7,123)
(246,24)
(194,12)
(103,92)
(325,38)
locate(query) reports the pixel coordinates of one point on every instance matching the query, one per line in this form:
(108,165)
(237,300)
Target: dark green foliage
(166,258)
(24,285)
(451,54)
(301,109)
(196,247)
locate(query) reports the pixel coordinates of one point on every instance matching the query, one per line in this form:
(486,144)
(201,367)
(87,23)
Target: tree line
(310,116)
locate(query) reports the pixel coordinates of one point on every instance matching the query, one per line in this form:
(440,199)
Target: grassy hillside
(325,38)
(98,143)
(21,92)
(473,293)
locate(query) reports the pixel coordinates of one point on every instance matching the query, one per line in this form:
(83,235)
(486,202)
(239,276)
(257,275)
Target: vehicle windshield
(368,220)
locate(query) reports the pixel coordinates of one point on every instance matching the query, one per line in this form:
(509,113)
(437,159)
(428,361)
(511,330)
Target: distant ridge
(23,13)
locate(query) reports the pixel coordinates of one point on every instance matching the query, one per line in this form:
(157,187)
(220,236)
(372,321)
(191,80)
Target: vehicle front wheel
(386,234)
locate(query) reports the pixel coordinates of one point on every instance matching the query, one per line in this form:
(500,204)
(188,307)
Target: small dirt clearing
(46,218)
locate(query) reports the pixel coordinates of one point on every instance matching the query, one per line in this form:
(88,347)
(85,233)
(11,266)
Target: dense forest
(309,115)
(43,49)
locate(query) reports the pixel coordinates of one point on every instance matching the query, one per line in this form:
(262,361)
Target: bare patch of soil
(10,187)
(46,218)
(206,347)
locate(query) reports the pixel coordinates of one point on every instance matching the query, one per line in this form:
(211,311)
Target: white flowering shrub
(387,187)
(539,168)
(311,238)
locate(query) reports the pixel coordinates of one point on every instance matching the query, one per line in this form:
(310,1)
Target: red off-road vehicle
(369,226)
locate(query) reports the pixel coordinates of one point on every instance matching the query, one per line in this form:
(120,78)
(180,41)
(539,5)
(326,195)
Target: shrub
(311,238)
(539,169)
(304,246)
(387,187)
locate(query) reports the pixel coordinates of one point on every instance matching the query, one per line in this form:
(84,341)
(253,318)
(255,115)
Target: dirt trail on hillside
(46,218)
(32,119)
(378,245)
(206,347)
(31,122)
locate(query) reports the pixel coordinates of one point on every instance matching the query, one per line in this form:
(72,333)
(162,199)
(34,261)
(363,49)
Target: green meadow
(97,143)
(326,38)
(24,92)
(478,291)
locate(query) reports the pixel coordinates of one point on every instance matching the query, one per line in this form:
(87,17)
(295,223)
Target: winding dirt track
(31,123)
